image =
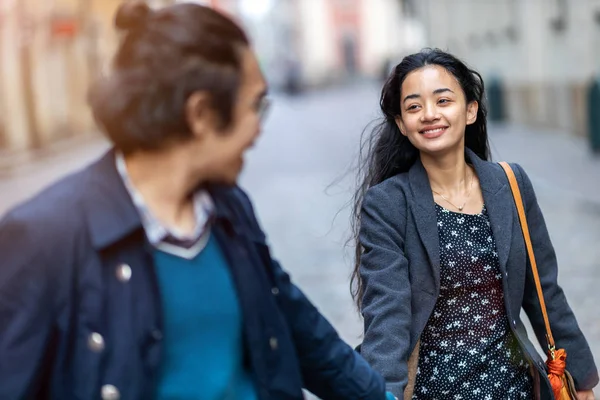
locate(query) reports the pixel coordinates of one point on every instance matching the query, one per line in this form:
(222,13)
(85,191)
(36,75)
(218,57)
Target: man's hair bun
(132,15)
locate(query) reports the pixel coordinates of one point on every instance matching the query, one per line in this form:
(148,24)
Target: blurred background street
(325,60)
(300,178)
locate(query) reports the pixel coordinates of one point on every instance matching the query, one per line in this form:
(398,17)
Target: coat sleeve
(25,314)
(331,369)
(566,332)
(386,301)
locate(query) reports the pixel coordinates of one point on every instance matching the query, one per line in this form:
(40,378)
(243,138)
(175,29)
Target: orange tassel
(556,371)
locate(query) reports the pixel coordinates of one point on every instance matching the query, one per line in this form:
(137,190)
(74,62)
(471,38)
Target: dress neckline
(479,214)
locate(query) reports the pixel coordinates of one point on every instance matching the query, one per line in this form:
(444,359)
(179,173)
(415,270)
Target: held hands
(585,395)
(581,395)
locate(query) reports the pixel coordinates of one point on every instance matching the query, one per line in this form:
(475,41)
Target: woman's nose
(429,113)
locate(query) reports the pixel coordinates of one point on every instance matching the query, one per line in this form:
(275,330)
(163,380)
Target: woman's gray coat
(400,269)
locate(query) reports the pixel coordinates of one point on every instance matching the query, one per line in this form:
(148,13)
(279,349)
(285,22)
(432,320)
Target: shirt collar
(156,231)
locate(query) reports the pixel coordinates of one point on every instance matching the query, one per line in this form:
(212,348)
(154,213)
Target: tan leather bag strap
(514,186)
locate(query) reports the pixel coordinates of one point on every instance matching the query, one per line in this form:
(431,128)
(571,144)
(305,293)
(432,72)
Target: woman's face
(433,111)
(222,151)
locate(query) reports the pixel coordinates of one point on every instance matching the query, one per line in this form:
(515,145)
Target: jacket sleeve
(331,369)
(566,332)
(386,301)
(25,314)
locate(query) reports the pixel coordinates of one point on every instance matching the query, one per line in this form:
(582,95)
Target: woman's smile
(433,132)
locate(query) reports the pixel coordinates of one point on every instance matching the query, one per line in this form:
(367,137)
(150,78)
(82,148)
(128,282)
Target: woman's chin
(441,145)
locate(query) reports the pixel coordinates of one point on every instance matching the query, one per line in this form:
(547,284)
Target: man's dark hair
(164,57)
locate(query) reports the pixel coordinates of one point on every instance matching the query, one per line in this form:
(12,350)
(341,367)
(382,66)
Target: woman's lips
(433,132)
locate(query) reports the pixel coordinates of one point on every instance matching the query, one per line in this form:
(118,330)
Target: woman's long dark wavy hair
(385,152)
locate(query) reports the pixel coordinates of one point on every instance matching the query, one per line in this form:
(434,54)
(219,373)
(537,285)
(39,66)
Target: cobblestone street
(300,180)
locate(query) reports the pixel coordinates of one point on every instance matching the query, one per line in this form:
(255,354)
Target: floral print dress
(467,348)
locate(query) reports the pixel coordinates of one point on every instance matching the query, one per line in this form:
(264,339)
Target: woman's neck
(449,175)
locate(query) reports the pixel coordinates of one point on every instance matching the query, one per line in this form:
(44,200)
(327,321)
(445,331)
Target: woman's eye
(443,101)
(413,107)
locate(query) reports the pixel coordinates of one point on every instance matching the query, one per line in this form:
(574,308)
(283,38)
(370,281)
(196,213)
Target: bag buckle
(552,351)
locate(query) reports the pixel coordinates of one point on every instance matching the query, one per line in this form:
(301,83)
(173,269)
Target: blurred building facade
(544,53)
(51,51)
(324,42)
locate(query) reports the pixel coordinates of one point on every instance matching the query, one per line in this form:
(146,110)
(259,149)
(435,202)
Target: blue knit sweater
(203,348)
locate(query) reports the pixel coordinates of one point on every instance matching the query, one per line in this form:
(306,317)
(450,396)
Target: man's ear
(199,114)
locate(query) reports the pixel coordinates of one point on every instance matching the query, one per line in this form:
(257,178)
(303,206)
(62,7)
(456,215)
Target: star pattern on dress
(469,351)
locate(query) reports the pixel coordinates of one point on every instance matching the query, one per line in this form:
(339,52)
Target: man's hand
(585,395)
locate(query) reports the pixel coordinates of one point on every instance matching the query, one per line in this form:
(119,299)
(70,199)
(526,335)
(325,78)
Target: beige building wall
(387,33)
(383,32)
(59,72)
(381,36)
(318,51)
(13,120)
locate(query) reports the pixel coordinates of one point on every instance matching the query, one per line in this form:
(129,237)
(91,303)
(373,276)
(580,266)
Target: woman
(441,271)
(145,275)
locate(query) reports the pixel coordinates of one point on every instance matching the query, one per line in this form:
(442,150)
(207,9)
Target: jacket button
(156,335)
(123,273)
(109,392)
(96,342)
(275,291)
(273,343)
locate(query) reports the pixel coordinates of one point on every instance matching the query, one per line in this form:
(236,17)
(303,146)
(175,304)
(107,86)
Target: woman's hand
(585,395)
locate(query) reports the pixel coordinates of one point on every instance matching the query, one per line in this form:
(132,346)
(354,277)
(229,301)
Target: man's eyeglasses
(263,107)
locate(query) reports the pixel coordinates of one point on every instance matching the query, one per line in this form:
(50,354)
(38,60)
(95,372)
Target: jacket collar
(497,198)
(110,210)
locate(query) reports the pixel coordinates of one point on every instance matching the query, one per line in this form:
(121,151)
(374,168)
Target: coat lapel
(496,195)
(423,210)
(499,203)
(109,209)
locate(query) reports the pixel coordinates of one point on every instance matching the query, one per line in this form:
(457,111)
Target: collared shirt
(166,238)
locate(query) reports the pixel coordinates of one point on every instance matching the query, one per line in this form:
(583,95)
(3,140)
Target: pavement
(300,177)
